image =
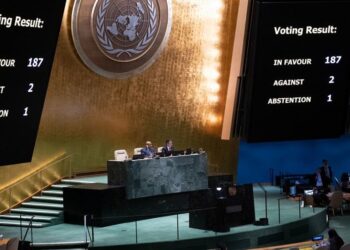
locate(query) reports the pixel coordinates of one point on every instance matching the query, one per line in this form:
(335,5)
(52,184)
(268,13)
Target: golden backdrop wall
(181,96)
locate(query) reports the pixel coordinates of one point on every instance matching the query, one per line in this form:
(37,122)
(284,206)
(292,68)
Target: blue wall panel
(256,159)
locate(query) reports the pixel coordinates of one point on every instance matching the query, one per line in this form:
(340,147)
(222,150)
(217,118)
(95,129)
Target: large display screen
(297,68)
(28,37)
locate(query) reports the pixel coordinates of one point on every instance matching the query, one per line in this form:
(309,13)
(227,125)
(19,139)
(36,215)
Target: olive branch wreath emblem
(106,43)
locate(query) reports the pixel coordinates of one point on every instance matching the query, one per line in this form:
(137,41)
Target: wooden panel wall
(91,116)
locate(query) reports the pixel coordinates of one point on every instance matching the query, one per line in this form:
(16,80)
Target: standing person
(320,190)
(326,175)
(335,241)
(168,148)
(319,180)
(148,151)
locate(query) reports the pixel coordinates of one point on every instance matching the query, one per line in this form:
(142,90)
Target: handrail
(30,226)
(279,207)
(36,172)
(91,236)
(87,231)
(137,216)
(265,193)
(272,175)
(39,174)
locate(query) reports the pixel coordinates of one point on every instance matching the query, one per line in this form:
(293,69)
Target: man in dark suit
(323,179)
(168,148)
(326,174)
(148,151)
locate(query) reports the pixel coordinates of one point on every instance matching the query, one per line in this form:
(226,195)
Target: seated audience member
(344,182)
(344,177)
(148,151)
(168,148)
(335,241)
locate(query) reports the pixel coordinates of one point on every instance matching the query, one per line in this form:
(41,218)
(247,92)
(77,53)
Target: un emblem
(120,38)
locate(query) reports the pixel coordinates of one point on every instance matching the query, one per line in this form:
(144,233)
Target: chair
(12,244)
(336,201)
(121,155)
(3,243)
(309,200)
(137,151)
(345,247)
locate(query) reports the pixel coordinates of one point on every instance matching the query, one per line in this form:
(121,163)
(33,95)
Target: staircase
(46,208)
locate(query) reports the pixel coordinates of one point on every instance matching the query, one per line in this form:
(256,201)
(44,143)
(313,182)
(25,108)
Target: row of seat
(122,155)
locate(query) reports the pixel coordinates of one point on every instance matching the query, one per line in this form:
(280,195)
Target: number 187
(35,62)
(332,59)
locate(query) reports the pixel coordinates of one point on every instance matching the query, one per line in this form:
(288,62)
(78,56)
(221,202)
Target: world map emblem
(120,38)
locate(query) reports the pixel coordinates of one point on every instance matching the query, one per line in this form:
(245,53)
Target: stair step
(75,181)
(36,211)
(24,223)
(36,218)
(59,186)
(52,193)
(48,199)
(44,205)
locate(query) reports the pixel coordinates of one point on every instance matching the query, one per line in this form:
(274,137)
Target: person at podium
(148,151)
(168,148)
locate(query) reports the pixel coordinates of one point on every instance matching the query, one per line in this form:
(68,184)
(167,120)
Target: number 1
(329,98)
(25,111)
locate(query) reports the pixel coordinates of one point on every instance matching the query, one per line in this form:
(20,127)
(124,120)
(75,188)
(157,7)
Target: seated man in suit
(168,149)
(148,151)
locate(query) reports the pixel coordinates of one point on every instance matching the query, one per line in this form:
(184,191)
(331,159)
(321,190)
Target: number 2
(31,86)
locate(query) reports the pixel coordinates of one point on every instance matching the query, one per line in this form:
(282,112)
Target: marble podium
(159,176)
